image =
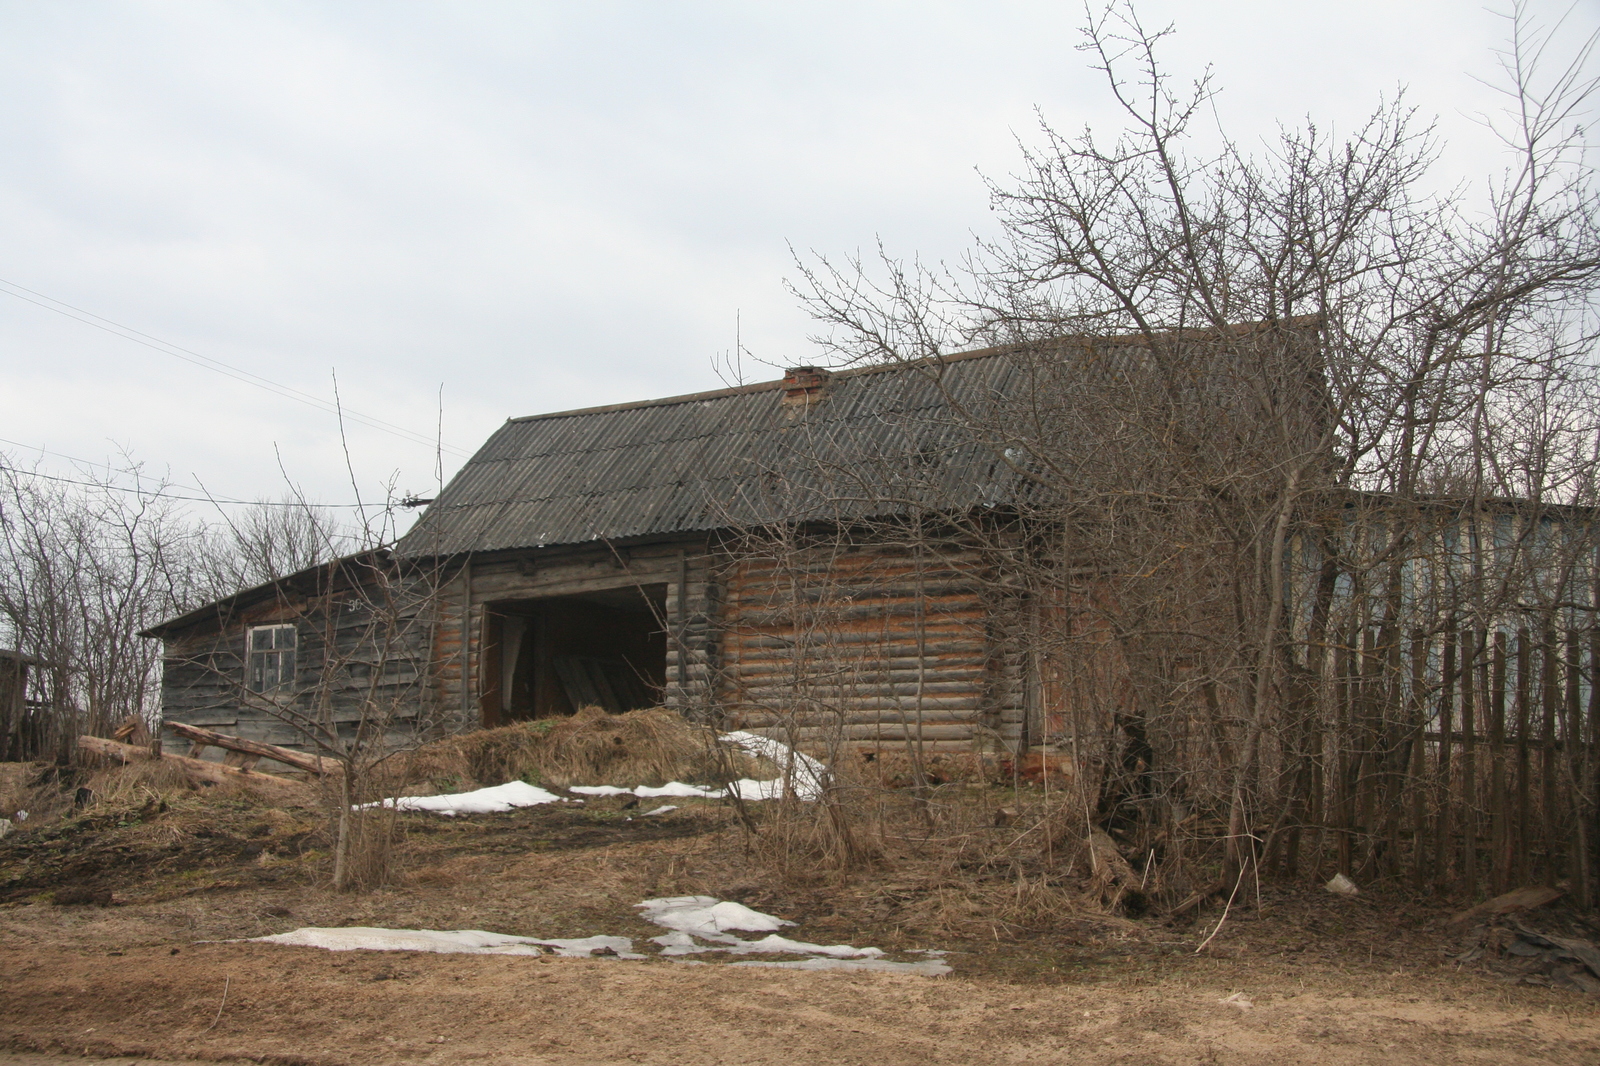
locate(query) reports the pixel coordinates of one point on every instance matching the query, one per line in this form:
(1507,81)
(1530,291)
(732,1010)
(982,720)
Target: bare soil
(142,965)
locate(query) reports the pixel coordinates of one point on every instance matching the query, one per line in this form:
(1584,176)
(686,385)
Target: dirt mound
(644,747)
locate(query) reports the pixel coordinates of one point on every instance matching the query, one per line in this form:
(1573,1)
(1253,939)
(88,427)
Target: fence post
(1341,740)
(1517,843)
(1442,786)
(1471,652)
(1550,674)
(1419,760)
(1499,858)
(1572,745)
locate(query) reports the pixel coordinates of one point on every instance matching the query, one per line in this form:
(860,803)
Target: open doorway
(548,657)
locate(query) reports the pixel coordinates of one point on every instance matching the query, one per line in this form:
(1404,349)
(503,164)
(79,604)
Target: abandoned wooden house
(330,650)
(657,553)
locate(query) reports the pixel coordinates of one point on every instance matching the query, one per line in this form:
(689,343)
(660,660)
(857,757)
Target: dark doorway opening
(548,657)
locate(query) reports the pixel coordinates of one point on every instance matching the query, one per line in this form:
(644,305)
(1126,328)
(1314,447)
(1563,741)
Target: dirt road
(303,1005)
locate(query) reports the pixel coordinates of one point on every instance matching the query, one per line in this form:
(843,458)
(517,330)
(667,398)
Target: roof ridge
(769,386)
(1299,321)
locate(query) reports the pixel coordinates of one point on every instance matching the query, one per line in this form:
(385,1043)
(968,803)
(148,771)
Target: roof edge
(217,609)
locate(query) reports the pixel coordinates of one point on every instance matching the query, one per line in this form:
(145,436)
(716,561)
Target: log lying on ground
(1111,879)
(272,787)
(252,749)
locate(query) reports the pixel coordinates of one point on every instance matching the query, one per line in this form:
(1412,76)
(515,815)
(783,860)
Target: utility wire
(89,318)
(118,488)
(156,493)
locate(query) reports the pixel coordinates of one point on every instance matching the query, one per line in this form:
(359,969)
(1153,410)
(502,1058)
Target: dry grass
(45,792)
(120,785)
(894,767)
(18,782)
(644,747)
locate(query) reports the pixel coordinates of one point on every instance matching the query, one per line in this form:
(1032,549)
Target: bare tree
(89,561)
(1254,396)
(84,566)
(270,540)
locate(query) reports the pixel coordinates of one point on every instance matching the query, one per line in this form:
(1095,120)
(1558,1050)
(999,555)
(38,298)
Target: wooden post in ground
(1550,698)
(1572,746)
(1471,653)
(1341,739)
(1517,842)
(1499,867)
(1591,763)
(1443,792)
(1419,760)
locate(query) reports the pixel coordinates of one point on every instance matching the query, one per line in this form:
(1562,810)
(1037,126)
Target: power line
(79,462)
(118,488)
(89,318)
(158,494)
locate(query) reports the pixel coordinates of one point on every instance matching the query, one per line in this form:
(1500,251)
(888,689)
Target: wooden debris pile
(1500,934)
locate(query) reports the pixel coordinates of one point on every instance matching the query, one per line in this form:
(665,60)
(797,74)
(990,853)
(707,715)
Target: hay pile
(644,747)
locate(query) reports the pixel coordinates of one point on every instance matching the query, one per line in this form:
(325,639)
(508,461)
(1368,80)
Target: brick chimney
(805,385)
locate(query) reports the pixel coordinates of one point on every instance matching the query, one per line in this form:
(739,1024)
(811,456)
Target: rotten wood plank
(278,788)
(204,738)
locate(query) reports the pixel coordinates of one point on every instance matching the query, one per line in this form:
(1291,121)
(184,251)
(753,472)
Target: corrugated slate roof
(881,440)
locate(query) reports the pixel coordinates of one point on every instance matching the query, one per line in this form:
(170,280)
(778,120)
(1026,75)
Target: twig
(224,1003)
(1226,907)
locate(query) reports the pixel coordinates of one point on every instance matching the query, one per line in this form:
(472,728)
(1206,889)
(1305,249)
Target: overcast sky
(527,207)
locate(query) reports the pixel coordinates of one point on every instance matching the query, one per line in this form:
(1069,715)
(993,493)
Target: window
(271,665)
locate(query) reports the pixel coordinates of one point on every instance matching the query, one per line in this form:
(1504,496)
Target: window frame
(283,654)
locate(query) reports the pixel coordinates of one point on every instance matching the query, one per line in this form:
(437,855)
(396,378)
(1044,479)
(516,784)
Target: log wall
(868,646)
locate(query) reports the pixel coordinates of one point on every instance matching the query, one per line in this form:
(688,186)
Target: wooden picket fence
(1461,761)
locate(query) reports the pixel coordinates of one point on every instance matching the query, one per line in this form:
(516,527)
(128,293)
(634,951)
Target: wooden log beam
(313,764)
(276,788)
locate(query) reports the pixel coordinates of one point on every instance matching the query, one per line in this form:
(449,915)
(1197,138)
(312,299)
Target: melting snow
(930,968)
(671,788)
(805,774)
(696,924)
(456,941)
(709,919)
(801,773)
(483,801)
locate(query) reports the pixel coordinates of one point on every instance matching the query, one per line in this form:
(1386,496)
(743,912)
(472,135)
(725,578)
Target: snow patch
(676,789)
(695,924)
(800,773)
(483,801)
(804,774)
(452,942)
(930,968)
(709,919)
